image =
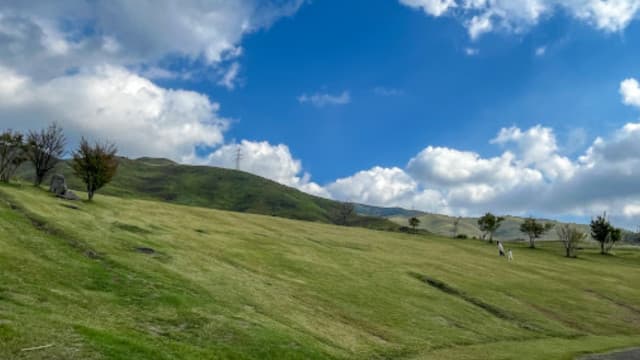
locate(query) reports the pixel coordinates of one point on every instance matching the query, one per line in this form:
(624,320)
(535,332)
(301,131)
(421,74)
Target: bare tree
(45,148)
(12,154)
(96,165)
(570,238)
(454,231)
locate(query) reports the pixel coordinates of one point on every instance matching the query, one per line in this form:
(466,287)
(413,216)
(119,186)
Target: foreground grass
(223,285)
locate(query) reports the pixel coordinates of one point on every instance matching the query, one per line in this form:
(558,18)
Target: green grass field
(225,285)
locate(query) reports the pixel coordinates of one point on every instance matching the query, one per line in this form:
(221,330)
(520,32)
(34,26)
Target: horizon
(448,107)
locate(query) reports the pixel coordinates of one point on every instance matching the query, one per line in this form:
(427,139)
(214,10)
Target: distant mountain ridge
(440,224)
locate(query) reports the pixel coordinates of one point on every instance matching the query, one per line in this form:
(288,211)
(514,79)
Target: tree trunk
(532,242)
(602,248)
(38,180)
(90,193)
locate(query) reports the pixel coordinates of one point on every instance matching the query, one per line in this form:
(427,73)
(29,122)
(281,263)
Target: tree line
(95,164)
(601,231)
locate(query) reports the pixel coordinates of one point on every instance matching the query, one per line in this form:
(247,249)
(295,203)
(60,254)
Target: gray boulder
(70,195)
(59,188)
(58,185)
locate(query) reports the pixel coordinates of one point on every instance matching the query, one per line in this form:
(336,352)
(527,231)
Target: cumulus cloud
(112,103)
(89,65)
(630,91)
(530,176)
(482,16)
(325,99)
(70,34)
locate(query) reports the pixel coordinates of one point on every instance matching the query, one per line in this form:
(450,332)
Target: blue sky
(454,106)
(446,97)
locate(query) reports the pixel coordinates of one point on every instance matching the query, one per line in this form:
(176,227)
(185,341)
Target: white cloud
(483,16)
(530,178)
(541,50)
(431,7)
(69,34)
(230,76)
(325,99)
(630,91)
(112,103)
(375,186)
(537,146)
(471,51)
(478,25)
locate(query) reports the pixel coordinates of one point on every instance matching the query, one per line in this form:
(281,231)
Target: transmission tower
(238,157)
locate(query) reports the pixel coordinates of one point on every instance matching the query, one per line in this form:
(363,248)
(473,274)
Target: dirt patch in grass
(633,309)
(491,309)
(49,229)
(145,250)
(131,228)
(69,206)
(629,354)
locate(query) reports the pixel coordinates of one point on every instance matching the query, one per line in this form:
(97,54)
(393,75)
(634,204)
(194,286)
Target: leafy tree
(45,148)
(603,232)
(12,154)
(345,211)
(489,224)
(570,238)
(534,230)
(615,236)
(414,222)
(95,165)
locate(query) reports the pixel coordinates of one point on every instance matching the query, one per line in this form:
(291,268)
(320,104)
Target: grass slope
(225,285)
(509,230)
(217,188)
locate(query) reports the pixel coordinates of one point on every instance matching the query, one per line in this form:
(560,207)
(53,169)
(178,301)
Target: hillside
(217,188)
(124,278)
(509,230)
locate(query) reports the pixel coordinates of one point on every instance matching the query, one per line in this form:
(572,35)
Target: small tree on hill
(345,211)
(45,148)
(12,154)
(570,238)
(96,165)
(414,222)
(489,224)
(534,230)
(603,232)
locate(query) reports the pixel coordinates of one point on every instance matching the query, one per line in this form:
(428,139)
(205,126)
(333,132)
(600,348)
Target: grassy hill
(509,230)
(135,279)
(217,188)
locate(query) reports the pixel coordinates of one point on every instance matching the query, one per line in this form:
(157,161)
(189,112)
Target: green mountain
(121,279)
(217,188)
